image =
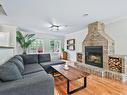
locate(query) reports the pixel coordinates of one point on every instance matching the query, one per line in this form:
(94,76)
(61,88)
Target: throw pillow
(18,63)
(44,58)
(30,58)
(19,57)
(9,72)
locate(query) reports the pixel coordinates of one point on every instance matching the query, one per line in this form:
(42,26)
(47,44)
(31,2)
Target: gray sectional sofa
(28,75)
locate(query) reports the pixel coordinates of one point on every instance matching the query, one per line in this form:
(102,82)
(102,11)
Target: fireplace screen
(94,55)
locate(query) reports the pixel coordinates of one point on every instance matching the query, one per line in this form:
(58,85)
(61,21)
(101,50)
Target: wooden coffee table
(72,74)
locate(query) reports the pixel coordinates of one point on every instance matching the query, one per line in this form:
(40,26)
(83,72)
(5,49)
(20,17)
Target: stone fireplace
(98,54)
(97,46)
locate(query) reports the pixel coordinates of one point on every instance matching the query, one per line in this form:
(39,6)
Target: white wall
(79,37)
(6,53)
(117,31)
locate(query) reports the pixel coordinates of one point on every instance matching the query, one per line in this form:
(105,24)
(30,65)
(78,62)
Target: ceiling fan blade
(50,22)
(54,25)
(54,21)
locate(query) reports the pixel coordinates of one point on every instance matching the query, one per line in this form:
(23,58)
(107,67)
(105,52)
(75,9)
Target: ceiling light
(54,28)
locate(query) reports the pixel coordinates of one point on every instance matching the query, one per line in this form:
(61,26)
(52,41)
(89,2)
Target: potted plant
(62,49)
(24,40)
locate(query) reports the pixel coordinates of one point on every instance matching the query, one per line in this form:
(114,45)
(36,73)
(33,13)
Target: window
(55,45)
(37,46)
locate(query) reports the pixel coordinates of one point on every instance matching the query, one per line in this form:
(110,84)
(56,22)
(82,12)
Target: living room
(63,47)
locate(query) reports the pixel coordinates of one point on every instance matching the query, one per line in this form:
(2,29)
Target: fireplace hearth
(94,55)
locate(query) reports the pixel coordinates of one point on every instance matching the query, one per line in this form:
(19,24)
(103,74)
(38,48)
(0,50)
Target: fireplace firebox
(94,55)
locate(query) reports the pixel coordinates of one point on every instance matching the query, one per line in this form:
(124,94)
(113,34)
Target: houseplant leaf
(24,41)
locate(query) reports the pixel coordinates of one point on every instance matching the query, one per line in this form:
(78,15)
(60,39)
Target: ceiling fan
(55,26)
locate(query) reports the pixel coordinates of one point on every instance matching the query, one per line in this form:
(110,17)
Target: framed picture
(4,38)
(71,41)
(71,44)
(71,47)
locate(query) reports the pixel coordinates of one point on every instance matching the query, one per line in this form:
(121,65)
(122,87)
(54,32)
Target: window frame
(60,45)
(43,46)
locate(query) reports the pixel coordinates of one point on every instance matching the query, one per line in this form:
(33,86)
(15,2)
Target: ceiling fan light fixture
(54,29)
(53,26)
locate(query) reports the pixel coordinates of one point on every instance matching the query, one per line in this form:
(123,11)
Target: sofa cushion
(19,57)
(44,58)
(30,59)
(56,62)
(53,63)
(9,71)
(35,74)
(32,68)
(18,63)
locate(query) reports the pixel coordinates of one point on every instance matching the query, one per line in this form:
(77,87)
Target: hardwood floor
(95,86)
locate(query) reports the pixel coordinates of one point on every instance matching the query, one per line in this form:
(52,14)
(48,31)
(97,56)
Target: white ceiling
(33,15)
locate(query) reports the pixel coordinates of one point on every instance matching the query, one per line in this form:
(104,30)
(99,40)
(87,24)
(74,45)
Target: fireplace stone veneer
(97,37)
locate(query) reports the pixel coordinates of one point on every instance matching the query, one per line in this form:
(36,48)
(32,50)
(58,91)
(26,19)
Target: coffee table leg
(68,85)
(75,90)
(85,81)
